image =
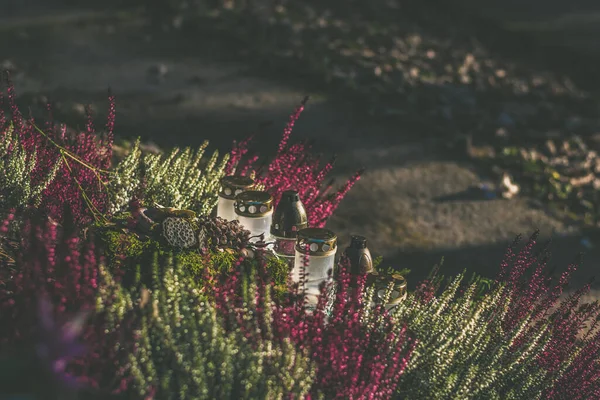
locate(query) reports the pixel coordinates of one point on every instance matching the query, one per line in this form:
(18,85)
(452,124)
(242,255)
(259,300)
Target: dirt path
(177,93)
(572,24)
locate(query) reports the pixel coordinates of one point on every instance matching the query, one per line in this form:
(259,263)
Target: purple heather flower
(92,152)
(352,360)
(294,167)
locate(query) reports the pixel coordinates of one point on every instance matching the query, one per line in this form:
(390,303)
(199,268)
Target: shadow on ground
(486,259)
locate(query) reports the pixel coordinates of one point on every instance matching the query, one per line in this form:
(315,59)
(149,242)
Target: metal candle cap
(316,242)
(253,204)
(232,185)
(358,242)
(289,216)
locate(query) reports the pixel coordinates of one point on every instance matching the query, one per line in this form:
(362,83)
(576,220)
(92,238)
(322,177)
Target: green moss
(196,263)
(191,261)
(278,270)
(129,245)
(223,261)
(206,270)
(134,255)
(119,218)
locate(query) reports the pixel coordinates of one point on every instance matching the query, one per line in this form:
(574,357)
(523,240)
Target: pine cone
(179,232)
(216,232)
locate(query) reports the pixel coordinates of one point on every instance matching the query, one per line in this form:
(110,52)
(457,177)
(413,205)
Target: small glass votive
(315,255)
(231,186)
(254,210)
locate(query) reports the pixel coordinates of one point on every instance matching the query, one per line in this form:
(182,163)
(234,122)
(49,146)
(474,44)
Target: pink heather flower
(353,360)
(530,287)
(54,261)
(294,167)
(81,186)
(581,381)
(238,151)
(531,291)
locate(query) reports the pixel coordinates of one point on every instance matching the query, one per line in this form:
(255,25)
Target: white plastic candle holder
(231,186)
(315,255)
(254,210)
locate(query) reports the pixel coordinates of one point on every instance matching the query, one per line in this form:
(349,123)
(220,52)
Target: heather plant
(80,159)
(16,167)
(181,179)
(353,359)
(9,243)
(38,370)
(55,265)
(183,351)
(126,247)
(294,167)
(574,342)
(180,305)
(515,342)
(463,351)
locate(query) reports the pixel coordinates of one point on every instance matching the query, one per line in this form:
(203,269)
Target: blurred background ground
(396,86)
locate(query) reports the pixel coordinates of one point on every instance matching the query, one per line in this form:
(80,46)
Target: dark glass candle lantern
(358,254)
(288,219)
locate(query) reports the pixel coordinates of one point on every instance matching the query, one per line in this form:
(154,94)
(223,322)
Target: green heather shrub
(514,341)
(70,167)
(176,180)
(184,352)
(463,352)
(16,168)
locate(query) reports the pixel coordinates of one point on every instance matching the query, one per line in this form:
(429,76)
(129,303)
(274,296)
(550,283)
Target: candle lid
(358,242)
(316,242)
(289,216)
(233,185)
(253,203)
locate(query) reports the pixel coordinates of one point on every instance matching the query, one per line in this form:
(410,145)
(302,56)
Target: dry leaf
(510,189)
